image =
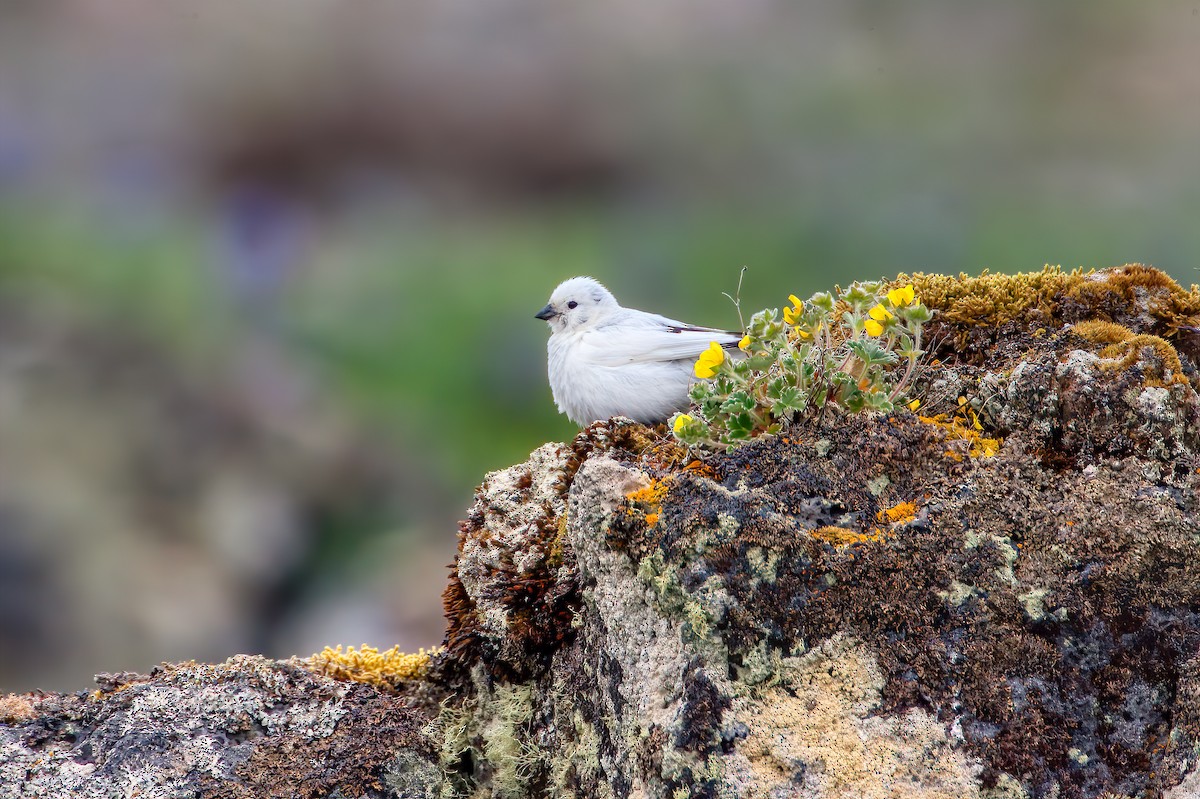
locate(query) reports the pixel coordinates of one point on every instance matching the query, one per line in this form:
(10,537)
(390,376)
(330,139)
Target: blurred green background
(268,268)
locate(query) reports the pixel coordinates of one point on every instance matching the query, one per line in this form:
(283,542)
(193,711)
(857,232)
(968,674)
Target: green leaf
(738,402)
(822,301)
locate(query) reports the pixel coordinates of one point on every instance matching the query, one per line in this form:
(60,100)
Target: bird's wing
(648,338)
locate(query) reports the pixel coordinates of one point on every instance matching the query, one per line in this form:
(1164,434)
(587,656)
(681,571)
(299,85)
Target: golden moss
(1099,331)
(556,553)
(1125,347)
(991,299)
(1136,283)
(1129,352)
(367,664)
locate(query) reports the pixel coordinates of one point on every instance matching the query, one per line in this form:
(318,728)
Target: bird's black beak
(545,314)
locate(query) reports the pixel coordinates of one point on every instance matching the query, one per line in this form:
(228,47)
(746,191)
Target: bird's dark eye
(572,304)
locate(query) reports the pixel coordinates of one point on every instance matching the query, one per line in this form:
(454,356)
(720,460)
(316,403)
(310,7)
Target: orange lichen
(965,434)
(842,537)
(652,494)
(367,664)
(648,500)
(900,513)
(701,469)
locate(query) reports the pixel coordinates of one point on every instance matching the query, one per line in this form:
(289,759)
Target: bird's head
(576,304)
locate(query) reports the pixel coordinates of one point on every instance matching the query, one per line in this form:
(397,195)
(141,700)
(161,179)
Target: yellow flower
(880,314)
(710,360)
(901,297)
(681,421)
(872,327)
(744,344)
(792,315)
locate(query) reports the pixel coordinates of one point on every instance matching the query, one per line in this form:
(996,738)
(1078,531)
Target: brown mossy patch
(538,593)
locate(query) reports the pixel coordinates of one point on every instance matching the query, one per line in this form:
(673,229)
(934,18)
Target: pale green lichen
(760,669)
(763,564)
(507,745)
(1034,602)
(1007,787)
(959,593)
(877,485)
(578,756)
(1008,553)
(493,727)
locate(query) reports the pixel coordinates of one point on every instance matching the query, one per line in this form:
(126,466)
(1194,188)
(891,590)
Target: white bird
(605,360)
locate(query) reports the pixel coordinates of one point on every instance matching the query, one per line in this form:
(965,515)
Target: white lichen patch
(815,735)
(650,626)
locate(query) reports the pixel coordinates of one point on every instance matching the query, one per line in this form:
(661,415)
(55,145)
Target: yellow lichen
(842,537)
(900,513)
(367,664)
(966,434)
(648,500)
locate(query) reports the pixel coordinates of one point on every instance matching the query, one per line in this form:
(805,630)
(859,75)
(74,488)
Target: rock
(248,727)
(998,599)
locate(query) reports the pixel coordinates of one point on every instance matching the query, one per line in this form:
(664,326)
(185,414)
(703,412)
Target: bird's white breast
(587,391)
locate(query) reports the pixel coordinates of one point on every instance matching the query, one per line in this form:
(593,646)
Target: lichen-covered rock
(999,597)
(996,598)
(245,729)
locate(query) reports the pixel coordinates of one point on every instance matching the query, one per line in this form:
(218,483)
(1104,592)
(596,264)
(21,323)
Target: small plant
(852,352)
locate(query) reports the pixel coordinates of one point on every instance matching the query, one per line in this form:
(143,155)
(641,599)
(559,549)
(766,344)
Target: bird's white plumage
(605,360)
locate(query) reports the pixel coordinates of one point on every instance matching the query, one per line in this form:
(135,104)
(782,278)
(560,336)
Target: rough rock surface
(998,599)
(245,728)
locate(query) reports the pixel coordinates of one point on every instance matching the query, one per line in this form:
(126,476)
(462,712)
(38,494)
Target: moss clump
(991,300)
(367,664)
(977,318)
(1125,348)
